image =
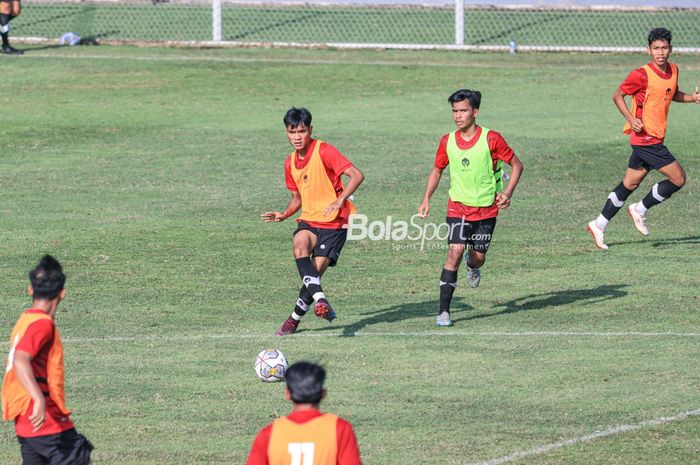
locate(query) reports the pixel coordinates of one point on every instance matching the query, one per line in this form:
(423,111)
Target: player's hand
(423,209)
(637,125)
(696,95)
(38,416)
(272,217)
(502,200)
(333,206)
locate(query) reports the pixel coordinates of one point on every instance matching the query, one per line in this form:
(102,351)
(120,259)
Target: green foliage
(145,172)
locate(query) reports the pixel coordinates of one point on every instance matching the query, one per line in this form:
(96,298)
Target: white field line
(311,334)
(589,437)
(294,61)
(471,64)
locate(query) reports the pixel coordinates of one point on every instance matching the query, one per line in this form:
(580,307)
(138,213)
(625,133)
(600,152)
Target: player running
(652,88)
(475,155)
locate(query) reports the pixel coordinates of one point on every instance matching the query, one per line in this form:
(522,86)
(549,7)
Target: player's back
(313,442)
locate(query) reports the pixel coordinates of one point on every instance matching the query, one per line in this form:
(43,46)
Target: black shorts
(474,235)
(66,448)
(329,242)
(650,157)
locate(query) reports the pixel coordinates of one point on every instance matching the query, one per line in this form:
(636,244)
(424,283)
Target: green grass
(370,24)
(145,171)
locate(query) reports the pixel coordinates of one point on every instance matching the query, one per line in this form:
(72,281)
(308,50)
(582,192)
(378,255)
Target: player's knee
(477,259)
(301,251)
(630,185)
(678,181)
(454,256)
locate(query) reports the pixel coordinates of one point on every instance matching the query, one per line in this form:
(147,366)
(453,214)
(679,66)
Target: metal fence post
(459,22)
(216,20)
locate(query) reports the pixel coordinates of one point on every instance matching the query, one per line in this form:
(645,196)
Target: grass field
(370,24)
(145,171)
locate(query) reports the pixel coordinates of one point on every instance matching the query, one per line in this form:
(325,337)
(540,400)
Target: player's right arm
(292,207)
(635,83)
(621,104)
(22,363)
(433,181)
(441,162)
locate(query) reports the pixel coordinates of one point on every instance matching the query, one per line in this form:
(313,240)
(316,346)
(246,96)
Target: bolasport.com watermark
(414,234)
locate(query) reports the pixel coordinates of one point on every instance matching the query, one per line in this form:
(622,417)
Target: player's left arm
(682,97)
(503,197)
(348,450)
(355,178)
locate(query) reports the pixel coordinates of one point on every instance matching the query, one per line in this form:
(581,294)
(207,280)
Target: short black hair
(296,117)
(305,382)
(47,278)
(659,33)
(474,97)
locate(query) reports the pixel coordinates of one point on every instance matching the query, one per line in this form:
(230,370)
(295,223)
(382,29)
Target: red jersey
(348,450)
(500,150)
(335,164)
(37,341)
(636,86)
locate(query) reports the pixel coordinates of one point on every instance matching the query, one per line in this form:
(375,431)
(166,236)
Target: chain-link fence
(452,25)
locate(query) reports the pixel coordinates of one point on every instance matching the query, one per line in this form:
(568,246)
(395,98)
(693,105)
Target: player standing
(652,88)
(313,175)
(9,10)
(32,391)
(306,436)
(474,155)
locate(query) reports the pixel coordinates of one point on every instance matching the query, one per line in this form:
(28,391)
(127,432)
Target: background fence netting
(340,24)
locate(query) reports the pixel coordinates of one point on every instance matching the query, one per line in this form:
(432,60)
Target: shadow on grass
(395,314)
(555,299)
(428,309)
(660,243)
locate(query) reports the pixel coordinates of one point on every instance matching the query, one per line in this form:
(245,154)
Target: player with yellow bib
(475,156)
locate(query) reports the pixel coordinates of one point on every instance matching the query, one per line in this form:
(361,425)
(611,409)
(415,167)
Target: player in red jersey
(474,156)
(652,89)
(306,436)
(313,174)
(32,391)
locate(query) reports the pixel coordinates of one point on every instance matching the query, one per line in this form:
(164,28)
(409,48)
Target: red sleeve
(37,335)
(348,450)
(333,160)
(441,159)
(289,180)
(258,453)
(635,82)
(500,150)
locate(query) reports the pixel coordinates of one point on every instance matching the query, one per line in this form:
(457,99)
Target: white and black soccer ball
(271,365)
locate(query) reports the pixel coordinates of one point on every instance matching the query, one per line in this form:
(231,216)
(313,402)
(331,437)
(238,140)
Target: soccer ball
(270,365)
